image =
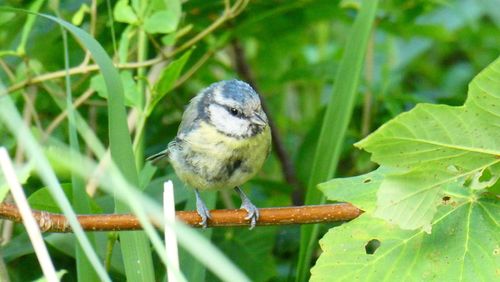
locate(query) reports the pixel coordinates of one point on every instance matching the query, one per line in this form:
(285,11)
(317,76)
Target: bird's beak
(259,119)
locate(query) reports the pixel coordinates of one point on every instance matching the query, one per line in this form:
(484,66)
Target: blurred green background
(418,52)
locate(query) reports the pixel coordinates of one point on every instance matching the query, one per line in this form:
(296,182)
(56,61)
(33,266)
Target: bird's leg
(202,209)
(246,204)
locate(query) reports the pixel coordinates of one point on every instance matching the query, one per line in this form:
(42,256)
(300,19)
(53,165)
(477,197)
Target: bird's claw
(253,212)
(204,218)
(203,212)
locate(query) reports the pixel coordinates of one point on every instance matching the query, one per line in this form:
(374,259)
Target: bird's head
(233,108)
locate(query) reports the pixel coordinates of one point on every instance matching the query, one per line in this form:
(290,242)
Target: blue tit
(222,142)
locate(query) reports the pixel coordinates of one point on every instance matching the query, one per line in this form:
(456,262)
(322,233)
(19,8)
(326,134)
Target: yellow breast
(210,159)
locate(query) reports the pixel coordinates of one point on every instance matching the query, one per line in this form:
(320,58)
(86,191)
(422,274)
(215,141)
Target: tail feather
(156,158)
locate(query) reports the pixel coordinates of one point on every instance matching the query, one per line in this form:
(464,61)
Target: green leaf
(463,246)
(359,190)
(123,46)
(434,146)
(154,189)
(164,21)
(337,117)
(124,13)
(167,79)
(77,18)
(22,174)
(42,200)
(250,250)
(169,39)
(132,96)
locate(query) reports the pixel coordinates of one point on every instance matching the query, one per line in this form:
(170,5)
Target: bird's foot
(253,212)
(202,211)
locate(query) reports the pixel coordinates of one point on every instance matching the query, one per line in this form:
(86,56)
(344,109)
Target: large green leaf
(359,191)
(433,146)
(441,171)
(463,246)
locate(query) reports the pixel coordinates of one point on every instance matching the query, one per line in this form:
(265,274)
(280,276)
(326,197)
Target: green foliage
(124,13)
(167,79)
(161,22)
(326,88)
(250,250)
(132,96)
(462,247)
(438,165)
(435,147)
(42,200)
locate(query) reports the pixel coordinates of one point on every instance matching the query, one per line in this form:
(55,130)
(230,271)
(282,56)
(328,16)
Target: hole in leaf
(368,180)
(446,199)
(372,246)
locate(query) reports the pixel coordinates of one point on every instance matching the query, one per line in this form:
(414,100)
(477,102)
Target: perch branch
(51,222)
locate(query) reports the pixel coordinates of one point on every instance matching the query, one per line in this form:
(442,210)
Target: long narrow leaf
(85,271)
(135,246)
(335,122)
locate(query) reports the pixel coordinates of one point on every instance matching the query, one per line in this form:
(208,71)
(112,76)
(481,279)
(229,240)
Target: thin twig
(51,222)
(60,118)
(287,167)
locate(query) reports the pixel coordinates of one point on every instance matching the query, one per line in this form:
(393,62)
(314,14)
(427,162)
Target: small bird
(222,142)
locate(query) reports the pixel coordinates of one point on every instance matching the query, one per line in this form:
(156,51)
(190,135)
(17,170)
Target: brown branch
(51,222)
(287,167)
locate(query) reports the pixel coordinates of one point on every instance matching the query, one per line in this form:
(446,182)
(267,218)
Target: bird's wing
(190,114)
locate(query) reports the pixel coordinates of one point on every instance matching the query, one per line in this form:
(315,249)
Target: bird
(222,141)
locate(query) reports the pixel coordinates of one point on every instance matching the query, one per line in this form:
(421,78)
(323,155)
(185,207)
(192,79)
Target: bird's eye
(234,112)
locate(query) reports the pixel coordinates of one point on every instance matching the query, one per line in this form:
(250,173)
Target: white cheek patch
(226,122)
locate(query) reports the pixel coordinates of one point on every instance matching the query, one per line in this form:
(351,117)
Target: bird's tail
(158,157)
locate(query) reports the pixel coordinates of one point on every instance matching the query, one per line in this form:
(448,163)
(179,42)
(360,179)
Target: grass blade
(81,204)
(28,219)
(335,122)
(135,246)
